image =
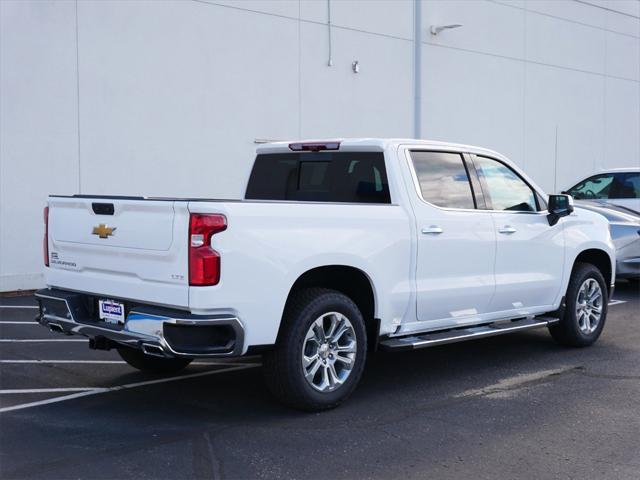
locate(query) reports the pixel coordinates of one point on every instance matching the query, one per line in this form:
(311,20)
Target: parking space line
(11,322)
(45,390)
(66,361)
(34,340)
(125,387)
(106,362)
(19,306)
(617,302)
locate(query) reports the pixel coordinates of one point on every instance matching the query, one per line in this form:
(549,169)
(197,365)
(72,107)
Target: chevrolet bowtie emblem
(103,231)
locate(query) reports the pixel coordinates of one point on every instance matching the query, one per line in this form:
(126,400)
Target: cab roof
(370,144)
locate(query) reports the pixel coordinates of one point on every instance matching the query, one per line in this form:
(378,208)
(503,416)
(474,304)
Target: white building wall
(166,97)
(38,128)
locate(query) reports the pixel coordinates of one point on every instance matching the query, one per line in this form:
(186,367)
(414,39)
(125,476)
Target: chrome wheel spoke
(311,336)
(582,320)
(341,331)
(589,306)
(329,351)
(311,372)
(318,329)
(306,361)
(333,376)
(348,361)
(349,348)
(326,382)
(335,322)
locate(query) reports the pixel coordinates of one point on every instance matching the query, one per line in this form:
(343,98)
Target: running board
(433,339)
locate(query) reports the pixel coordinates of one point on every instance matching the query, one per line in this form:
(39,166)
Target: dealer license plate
(111,312)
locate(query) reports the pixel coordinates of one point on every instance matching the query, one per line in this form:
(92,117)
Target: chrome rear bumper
(157,331)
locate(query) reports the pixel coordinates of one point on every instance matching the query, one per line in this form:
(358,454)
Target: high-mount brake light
(204,261)
(45,241)
(314,146)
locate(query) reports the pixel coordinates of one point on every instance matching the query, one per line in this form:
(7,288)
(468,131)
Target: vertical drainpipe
(417,68)
(330,61)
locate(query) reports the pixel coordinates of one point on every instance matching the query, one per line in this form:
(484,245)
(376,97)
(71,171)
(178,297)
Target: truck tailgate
(118,247)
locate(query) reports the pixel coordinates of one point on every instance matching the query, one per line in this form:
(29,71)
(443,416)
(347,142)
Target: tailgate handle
(102,208)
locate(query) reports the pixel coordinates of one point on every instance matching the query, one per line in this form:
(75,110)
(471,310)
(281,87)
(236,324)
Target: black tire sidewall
(570,320)
(311,305)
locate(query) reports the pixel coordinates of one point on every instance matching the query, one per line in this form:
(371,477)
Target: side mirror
(559,206)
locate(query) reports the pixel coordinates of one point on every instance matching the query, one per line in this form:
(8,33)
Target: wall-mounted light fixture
(355,66)
(436,29)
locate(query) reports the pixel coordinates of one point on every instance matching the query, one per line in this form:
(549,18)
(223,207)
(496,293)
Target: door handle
(432,229)
(507,229)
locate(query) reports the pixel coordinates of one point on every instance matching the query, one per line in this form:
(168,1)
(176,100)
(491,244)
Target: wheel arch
(599,259)
(349,280)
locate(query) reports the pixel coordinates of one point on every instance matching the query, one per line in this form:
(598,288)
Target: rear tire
(147,363)
(585,314)
(320,353)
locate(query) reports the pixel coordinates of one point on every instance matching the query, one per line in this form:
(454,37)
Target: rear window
(443,179)
(357,177)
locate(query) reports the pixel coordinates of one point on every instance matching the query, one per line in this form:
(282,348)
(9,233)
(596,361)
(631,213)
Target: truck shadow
(431,374)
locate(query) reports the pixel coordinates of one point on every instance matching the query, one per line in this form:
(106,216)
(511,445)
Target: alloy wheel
(329,352)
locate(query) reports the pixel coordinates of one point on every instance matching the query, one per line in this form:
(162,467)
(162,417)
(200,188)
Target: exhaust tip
(54,327)
(154,350)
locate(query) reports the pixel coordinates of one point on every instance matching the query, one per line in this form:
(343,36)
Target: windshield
(607,186)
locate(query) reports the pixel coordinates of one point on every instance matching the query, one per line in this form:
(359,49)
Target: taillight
(204,261)
(45,241)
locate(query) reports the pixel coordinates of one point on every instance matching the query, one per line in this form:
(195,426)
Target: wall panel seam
(303,20)
(78,100)
(507,57)
(577,22)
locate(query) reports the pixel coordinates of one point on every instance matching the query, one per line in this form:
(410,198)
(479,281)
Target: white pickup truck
(339,248)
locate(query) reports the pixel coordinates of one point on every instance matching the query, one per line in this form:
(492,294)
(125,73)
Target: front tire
(585,314)
(321,351)
(147,363)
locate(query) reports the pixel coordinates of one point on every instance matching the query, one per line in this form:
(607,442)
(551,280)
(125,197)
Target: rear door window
(355,177)
(629,186)
(443,179)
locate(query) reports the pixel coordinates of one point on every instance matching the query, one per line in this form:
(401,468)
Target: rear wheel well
(599,259)
(350,281)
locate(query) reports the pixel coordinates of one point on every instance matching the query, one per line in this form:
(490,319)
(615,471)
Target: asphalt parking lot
(516,406)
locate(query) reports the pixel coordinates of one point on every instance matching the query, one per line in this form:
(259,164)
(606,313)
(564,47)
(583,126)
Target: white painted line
(32,340)
(66,361)
(123,387)
(19,306)
(45,390)
(617,302)
(108,362)
(50,400)
(10,322)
